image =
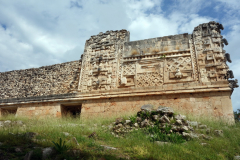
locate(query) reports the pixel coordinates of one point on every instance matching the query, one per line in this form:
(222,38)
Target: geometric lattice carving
(129,69)
(183,63)
(149,79)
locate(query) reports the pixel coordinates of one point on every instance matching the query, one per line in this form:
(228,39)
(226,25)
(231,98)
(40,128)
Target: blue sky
(39,33)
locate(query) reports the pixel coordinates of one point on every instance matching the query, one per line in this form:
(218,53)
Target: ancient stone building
(187,72)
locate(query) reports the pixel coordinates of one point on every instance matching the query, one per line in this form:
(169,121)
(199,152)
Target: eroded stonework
(43,81)
(112,67)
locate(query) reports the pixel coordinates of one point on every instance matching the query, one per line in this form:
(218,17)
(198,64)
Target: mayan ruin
(187,72)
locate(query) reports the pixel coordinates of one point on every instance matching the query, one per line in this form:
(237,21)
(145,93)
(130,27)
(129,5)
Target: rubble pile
(166,121)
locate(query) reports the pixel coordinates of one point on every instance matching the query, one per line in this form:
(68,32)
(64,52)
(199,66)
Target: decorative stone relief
(149,79)
(129,69)
(178,73)
(111,61)
(128,74)
(178,69)
(100,61)
(194,61)
(209,50)
(183,63)
(44,81)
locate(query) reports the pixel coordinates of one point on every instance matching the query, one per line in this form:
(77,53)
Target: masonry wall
(48,80)
(38,110)
(35,110)
(157,45)
(213,105)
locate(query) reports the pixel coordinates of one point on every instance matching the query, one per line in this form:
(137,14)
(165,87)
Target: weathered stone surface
(190,135)
(184,128)
(139,119)
(165,110)
(161,143)
(155,117)
(152,126)
(202,126)
(145,123)
(114,75)
(206,137)
(147,107)
(180,117)
(127,121)
(218,132)
(66,133)
(47,152)
(1,124)
(178,122)
(74,140)
(94,134)
(7,123)
(208,130)
(18,123)
(204,144)
(118,120)
(108,147)
(17,149)
(164,119)
(135,125)
(48,80)
(192,123)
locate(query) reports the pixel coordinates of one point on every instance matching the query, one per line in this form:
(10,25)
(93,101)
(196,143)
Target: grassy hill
(94,139)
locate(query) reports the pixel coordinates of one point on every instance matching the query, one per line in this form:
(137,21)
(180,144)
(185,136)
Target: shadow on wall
(73,111)
(7,111)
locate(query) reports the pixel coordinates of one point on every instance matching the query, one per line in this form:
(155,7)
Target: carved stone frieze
(149,79)
(129,69)
(211,57)
(178,69)
(188,71)
(110,61)
(100,61)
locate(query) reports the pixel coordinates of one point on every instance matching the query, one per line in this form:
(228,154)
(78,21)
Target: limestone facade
(187,72)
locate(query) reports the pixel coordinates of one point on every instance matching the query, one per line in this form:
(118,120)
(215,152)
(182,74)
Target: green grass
(135,145)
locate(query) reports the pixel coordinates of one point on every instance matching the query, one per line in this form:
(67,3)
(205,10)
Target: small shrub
(91,144)
(163,56)
(81,139)
(133,119)
(167,129)
(154,112)
(172,121)
(60,147)
(153,130)
(176,138)
(145,115)
(158,134)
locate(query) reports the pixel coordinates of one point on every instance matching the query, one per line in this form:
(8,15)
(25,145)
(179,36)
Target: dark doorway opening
(8,111)
(73,111)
